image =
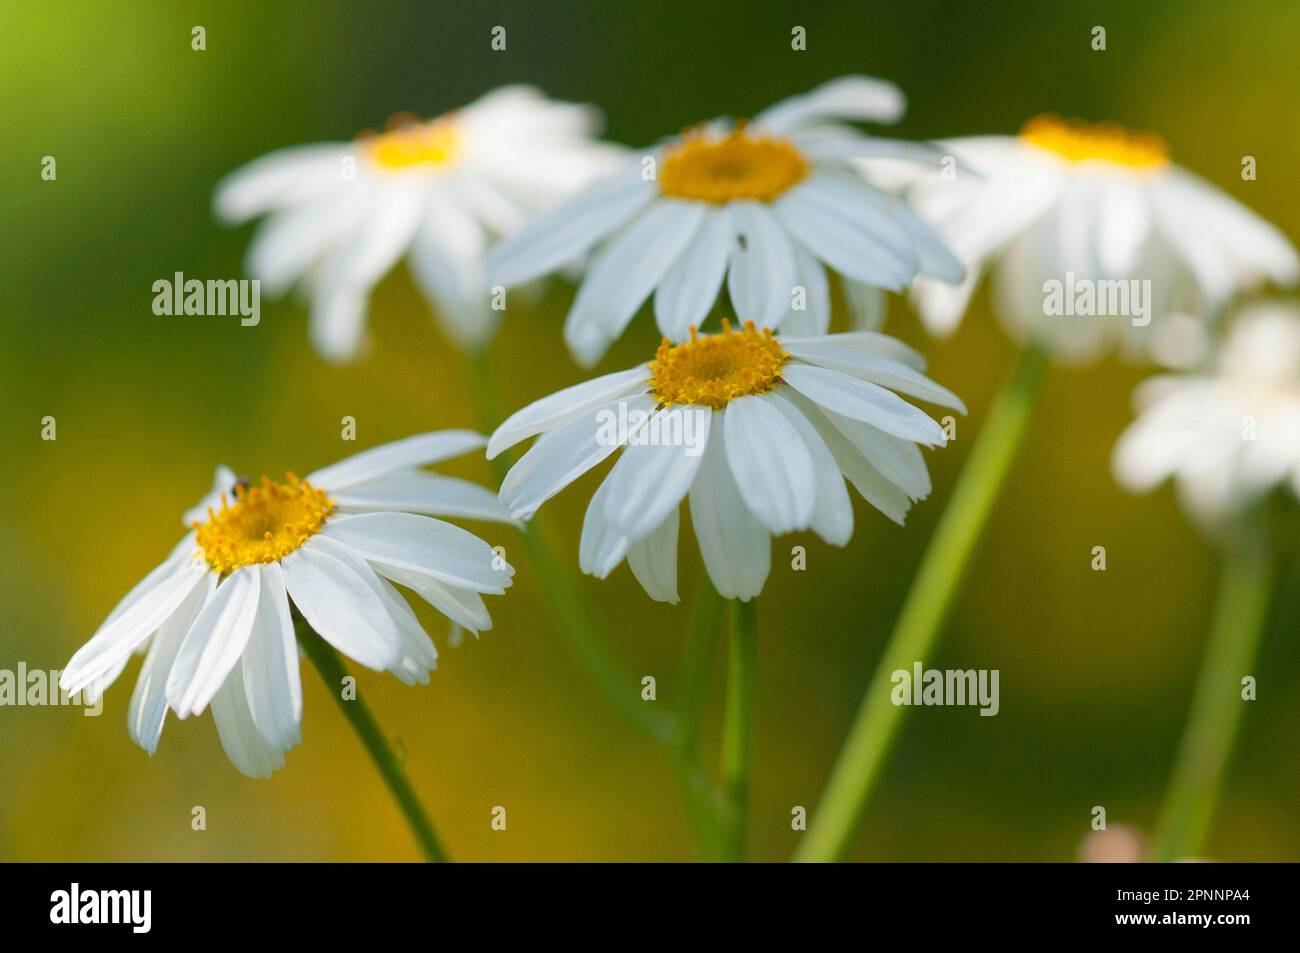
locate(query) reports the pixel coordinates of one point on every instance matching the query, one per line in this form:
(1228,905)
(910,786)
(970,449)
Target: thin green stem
(693,677)
(1217,702)
(738,725)
(574,621)
(928,603)
(332,671)
(697,665)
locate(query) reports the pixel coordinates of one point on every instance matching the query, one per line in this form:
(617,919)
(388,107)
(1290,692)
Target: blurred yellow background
(1096,668)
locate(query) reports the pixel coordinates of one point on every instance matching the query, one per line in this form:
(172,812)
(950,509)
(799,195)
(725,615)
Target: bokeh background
(1097,668)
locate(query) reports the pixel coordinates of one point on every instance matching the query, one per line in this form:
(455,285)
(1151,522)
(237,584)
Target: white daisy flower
(758,431)
(1080,204)
(769,204)
(215,617)
(1229,438)
(340,215)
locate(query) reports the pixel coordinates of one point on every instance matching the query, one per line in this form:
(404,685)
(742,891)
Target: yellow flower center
(408,142)
(712,370)
(737,166)
(1083,142)
(264,524)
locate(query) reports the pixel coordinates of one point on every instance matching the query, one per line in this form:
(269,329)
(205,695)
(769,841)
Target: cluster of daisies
(513,188)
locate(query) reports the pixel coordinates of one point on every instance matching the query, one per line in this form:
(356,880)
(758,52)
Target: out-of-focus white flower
(1229,438)
(341,215)
(1082,205)
(768,204)
(215,616)
(759,432)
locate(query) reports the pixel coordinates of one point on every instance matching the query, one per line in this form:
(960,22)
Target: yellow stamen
(264,524)
(1080,141)
(712,370)
(737,166)
(409,142)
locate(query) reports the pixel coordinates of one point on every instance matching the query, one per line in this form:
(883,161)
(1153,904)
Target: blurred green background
(1096,668)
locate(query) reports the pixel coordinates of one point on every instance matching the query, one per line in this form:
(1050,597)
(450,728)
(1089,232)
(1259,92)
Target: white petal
(182,554)
(736,548)
(148,708)
(417,451)
(337,323)
(877,369)
(422,544)
(485,202)
(979,214)
(867,305)
(649,481)
(279,179)
(832,517)
(420,656)
(1255,246)
(1164,435)
(447,260)
(393,214)
(570,231)
(1124,222)
(214,643)
(653,560)
(290,243)
(843,245)
(272,682)
(564,454)
(761,277)
(898,460)
(866,342)
(586,337)
(770,464)
(941,305)
(815,318)
(562,406)
(413,491)
(863,401)
(888,220)
(462,606)
(866,479)
(848,97)
(244,745)
(93,692)
(119,637)
(601,546)
(691,286)
(626,271)
(416,655)
(339,605)
(855,145)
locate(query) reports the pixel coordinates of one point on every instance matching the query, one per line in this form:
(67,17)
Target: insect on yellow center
(711,370)
(409,142)
(264,523)
(735,166)
(1083,142)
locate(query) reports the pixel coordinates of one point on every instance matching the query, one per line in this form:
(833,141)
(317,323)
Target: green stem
(1217,704)
(331,670)
(928,602)
(694,676)
(738,725)
(697,665)
(574,621)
